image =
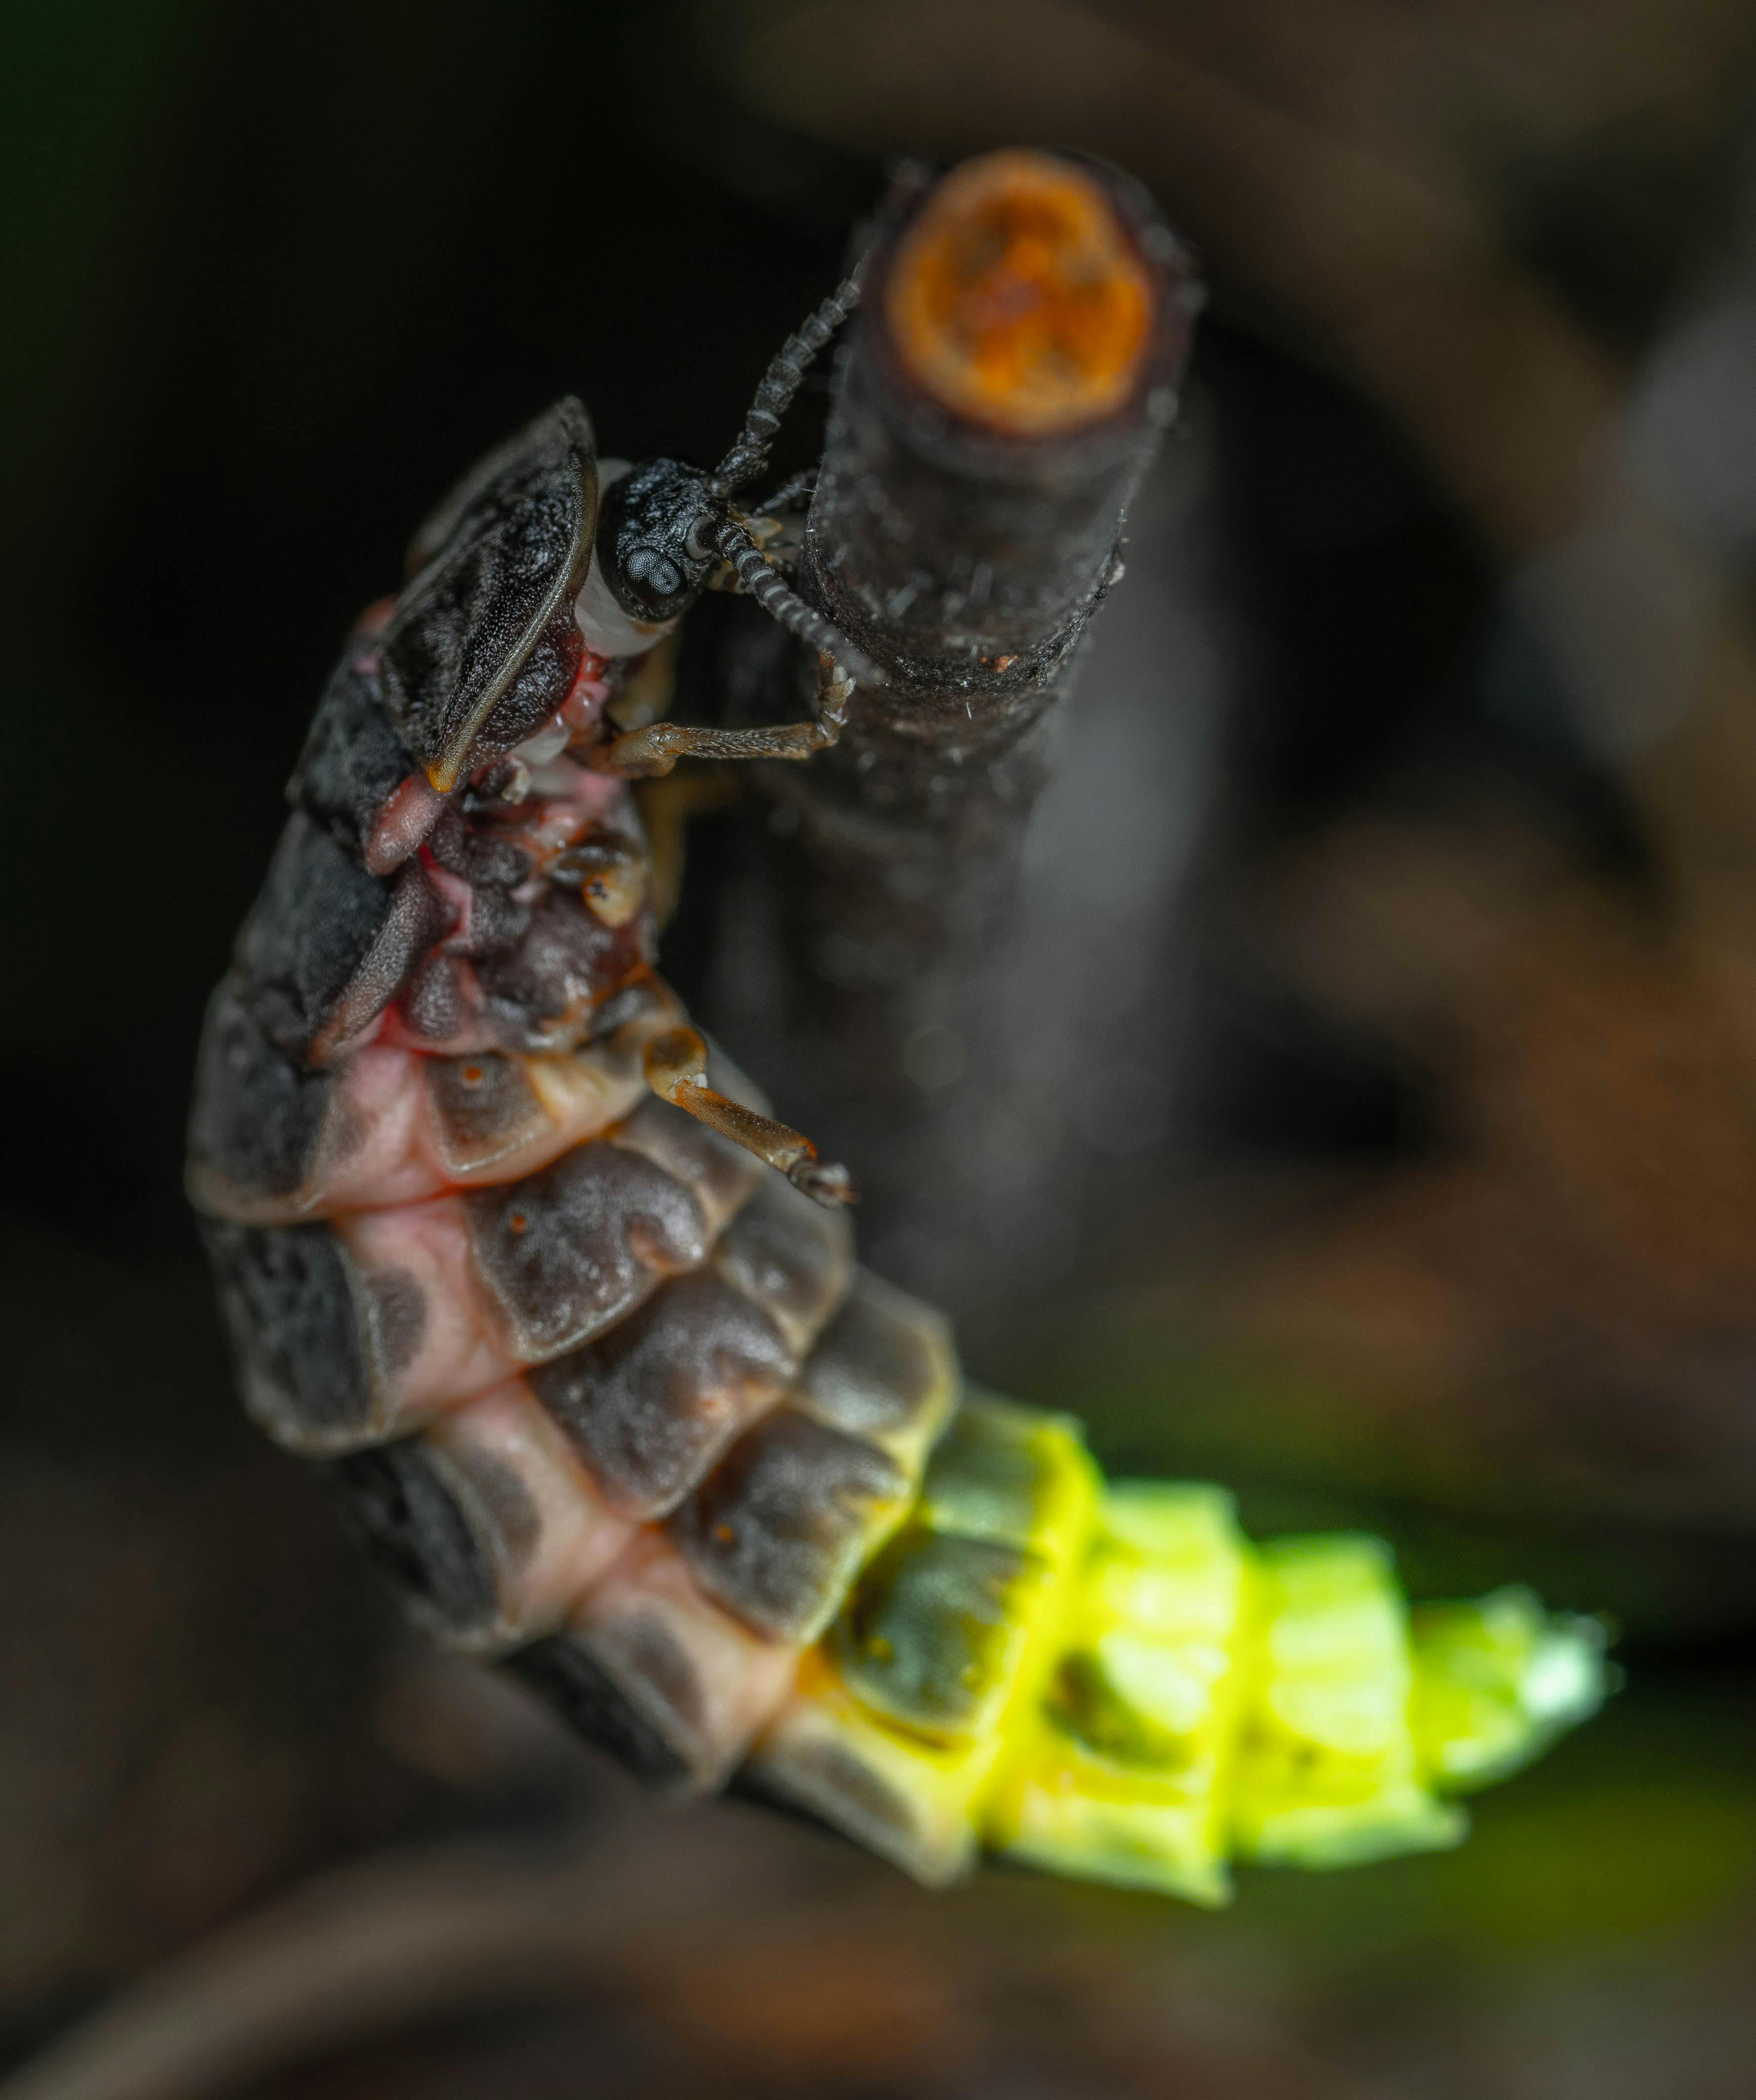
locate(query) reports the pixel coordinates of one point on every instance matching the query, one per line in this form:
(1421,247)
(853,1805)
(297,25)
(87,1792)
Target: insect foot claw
(828,1184)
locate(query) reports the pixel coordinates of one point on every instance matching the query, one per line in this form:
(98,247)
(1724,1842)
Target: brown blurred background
(1376,1127)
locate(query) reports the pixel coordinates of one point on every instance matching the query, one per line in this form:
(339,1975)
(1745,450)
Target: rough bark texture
(968,564)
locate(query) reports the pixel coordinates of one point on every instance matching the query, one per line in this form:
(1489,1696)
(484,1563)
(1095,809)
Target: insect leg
(655,750)
(666,806)
(676,1064)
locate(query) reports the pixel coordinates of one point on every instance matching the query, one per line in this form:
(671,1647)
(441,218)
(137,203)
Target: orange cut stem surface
(1017,298)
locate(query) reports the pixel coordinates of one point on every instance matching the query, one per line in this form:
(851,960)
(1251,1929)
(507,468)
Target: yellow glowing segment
(911,1802)
(1327,1774)
(1121,1775)
(1112,1682)
(1496,1681)
(1007,1483)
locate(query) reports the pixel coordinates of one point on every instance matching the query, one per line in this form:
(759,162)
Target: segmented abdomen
(610,1398)
(602,1387)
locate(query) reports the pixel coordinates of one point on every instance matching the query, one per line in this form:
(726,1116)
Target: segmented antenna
(781,602)
(780,382)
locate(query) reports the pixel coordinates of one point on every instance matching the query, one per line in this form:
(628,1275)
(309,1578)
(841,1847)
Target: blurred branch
(399,1938)
(348,1955)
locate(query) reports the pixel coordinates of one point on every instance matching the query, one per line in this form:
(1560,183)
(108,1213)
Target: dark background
(270,276)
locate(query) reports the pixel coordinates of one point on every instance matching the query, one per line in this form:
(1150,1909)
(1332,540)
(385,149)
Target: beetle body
(499,1242)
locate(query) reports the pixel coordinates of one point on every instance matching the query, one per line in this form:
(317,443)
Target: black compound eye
(647,565)
(643,539)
